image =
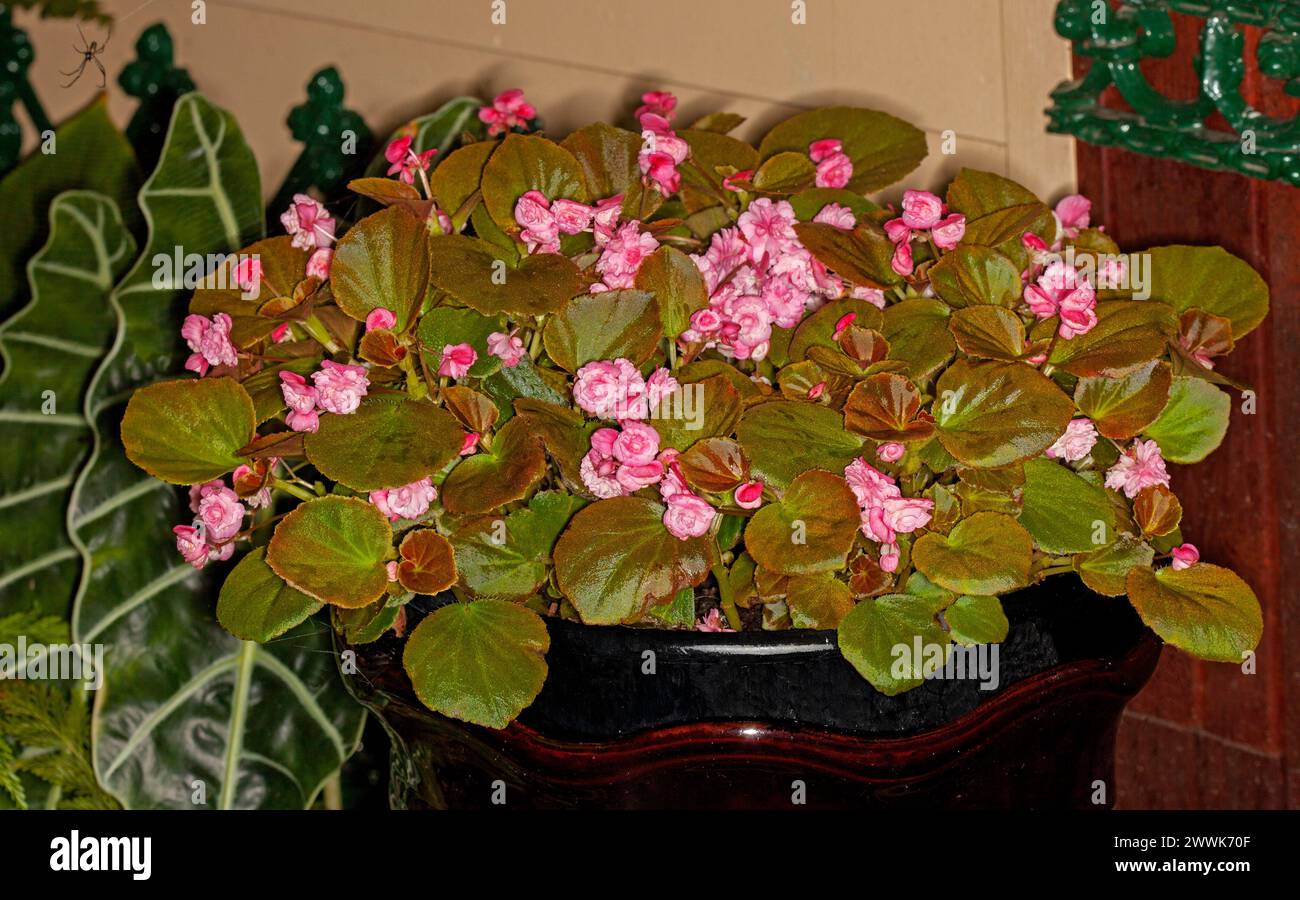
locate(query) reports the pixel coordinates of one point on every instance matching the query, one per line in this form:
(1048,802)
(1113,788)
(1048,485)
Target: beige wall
(981,69)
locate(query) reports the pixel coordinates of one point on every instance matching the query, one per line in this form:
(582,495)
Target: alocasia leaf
(1210,279)
(389,441)
(382,263)
(527,162)
(607,325)
(1194,421)
(494,476)
(809,530)
(333,549)
(258,605)
(188,430)
(1064,513)
(879,637)
(1206,610)
(883,149)
(977,620)
(50,349)
(616,559)
(90,154)
(987,553)
(995,413)
(482,661)
(784,438)
(277,721)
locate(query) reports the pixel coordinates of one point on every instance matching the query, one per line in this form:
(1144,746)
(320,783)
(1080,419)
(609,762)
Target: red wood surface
(1202,734)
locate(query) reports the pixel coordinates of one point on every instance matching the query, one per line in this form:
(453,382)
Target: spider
(89,51)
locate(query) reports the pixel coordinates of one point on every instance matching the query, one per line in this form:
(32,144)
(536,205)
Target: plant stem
(292,489)
(316,328)
(334,793)
(724,595)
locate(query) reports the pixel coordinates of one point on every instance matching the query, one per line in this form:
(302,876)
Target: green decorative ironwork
(153,79)
(336,142)
(1118,39)
(16,57)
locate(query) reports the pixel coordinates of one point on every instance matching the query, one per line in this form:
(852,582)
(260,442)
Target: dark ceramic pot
(763,720)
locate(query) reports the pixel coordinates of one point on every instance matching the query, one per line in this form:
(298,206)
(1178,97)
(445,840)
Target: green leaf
(382,263)
(989,332)
(485,278)
(1062,510)
(1210,279)
(975,276)
(607,325)
(1122,405)
(258,605)
(189,430)
(93,155)
(481,662)
(608,157)
(993,413)
(438,130)
(54,344)
(527,162)
(887,407)
(818,329)
(1105,570)
(988,553)
(511,561)
(616,559)
(809,530)
(453,325)
(918,335)
(710,151)
(390,441)
(977,620)
(884,149)
(693,412)
(677,286)
(456,180)
(861,256)
(283,266)
(499,475)
(879,636)
(818,601)
(1128,333)
(785,438)
(427,565)
(333,549)
(1206,610)
(999,212)
(1194,421)
(785,173)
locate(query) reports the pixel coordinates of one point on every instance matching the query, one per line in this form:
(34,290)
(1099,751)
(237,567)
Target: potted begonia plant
(746,474)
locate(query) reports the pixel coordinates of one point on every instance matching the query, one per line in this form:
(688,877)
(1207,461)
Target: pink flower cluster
(1072,214)
(834,168)
(688,514)
(311,226)
(218,517)
(1185,556)
(210,341)
(922,212)
(407,502)
(335,388)
(509,348)
(1062,290)
(886,513)
(1140,466)
(624,252)
(456,360)
(758,276)
(543,220)
(662,151)
(380,318)
(614,389)
(1077,442)
(509,110)
(621,462)
(405,162)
